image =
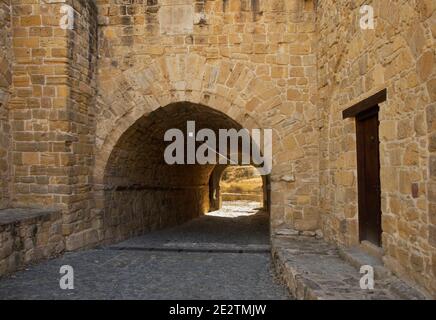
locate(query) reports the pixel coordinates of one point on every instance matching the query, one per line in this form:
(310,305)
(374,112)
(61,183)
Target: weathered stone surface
(82,117)
(176,18)
(314,270)
(432,235)
(397,55)
(239,72)
(218,257)
(28,236)
(5,81)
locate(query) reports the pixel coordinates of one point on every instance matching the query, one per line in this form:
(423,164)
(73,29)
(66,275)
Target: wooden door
(368,162)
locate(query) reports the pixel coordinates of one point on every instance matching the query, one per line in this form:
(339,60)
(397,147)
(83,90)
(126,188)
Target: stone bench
(28,236)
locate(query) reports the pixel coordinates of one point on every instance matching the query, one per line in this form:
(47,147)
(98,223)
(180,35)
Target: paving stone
(131,271)
(315,270)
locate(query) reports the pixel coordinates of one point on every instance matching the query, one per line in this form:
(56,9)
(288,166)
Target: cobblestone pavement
(205,265)
(237,225)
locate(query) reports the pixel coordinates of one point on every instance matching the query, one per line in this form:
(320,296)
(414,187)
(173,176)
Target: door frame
(360,111)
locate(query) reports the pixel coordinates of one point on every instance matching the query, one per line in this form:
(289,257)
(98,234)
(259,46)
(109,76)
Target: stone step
(193,247)
(315,270)
(358,258)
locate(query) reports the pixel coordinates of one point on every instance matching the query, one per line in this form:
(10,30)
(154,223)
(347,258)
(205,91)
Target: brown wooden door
(368,162)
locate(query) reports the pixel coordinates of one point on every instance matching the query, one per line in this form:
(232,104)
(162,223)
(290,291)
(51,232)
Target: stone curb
(309,273)
(298,286)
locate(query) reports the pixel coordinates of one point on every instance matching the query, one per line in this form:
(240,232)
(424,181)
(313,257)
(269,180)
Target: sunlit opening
(242,192)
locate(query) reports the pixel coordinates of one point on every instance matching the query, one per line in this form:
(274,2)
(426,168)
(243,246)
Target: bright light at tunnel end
(229,147)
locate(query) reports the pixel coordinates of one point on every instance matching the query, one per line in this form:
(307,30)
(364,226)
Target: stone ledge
(28,236)
(314,270)
(19,215)
(358,257)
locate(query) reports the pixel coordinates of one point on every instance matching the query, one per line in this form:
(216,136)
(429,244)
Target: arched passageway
(142,192)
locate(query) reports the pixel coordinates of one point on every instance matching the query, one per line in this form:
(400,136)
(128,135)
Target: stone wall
(353,64)
(253,61)
(5,82)
(50,110)
(83,112)
(28,236)
(79,222)
(38,103)
(133,212)
(215,195)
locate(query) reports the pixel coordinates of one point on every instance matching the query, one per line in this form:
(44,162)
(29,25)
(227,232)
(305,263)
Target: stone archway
(140,192)
(234,89)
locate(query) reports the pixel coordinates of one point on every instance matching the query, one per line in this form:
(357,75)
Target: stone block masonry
(28,236)
(5,82)
(399,54)
(50,115)
(83,113)
(241,59)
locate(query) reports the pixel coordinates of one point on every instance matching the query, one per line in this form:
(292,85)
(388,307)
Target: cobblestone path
(224,255)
